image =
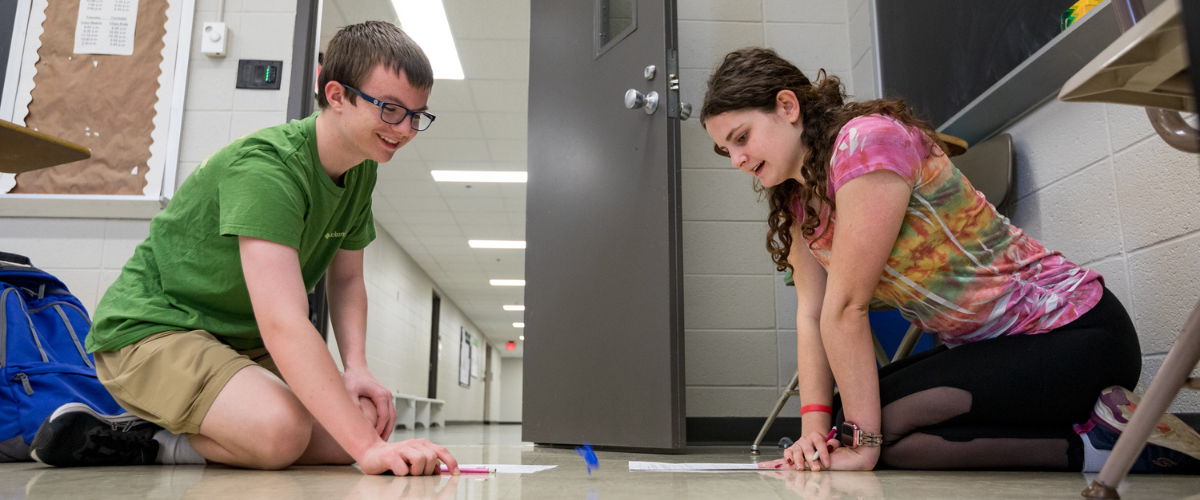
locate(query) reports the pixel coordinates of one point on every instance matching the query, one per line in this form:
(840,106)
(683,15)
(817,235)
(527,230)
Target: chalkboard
(939,55)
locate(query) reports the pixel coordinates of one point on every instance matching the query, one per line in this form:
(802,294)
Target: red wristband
(823,408)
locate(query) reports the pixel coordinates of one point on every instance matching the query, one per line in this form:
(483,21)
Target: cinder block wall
(215,112)
(1095,182)
(740,322)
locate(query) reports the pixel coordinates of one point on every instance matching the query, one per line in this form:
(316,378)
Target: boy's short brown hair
(356,49)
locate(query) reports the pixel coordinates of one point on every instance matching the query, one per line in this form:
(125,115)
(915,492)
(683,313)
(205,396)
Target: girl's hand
(861,458)
(779,463)
(800,455)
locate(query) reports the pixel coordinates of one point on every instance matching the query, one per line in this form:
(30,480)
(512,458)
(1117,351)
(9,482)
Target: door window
(615,20)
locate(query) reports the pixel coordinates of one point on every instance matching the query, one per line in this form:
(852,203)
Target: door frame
(435,341)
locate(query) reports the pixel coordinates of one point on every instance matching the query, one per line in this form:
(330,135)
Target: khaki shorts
(172,378)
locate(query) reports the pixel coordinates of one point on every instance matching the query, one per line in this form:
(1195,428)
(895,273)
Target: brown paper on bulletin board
(104,102)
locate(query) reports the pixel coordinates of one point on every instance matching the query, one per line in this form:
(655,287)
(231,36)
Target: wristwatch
(853,437)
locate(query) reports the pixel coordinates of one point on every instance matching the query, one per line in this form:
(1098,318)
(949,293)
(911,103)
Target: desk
(23,149)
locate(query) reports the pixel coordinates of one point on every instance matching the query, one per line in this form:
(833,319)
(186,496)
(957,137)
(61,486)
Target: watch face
(847,434)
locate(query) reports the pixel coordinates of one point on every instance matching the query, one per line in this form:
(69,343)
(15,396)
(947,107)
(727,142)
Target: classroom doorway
(487,384)
(435,346)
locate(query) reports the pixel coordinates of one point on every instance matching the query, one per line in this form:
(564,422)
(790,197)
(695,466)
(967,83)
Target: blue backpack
(43,364)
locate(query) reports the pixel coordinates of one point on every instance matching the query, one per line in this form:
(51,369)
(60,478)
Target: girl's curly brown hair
(750,79)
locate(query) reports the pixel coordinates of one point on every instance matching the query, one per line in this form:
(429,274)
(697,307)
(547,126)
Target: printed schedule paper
(692,467)
(106,27)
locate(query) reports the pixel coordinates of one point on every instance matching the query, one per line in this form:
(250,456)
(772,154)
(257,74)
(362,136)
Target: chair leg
(787,393)
(1172,376)
(910,341)
(880,354)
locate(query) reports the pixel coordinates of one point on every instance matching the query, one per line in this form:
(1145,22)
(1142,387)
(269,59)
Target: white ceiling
(481,125)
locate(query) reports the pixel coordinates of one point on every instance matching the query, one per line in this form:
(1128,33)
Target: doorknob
(635,99)
(685,110)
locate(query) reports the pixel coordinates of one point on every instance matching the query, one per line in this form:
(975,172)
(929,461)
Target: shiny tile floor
(502,444)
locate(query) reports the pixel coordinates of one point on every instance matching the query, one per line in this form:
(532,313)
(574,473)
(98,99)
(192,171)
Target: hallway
(502,444)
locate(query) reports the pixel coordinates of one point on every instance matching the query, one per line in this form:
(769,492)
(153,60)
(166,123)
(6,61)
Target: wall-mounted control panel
(263,75)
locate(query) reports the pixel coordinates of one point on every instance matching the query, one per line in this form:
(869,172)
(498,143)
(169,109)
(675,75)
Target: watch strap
(871,439)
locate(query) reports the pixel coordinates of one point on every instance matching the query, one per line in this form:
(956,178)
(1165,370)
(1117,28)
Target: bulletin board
(127,108)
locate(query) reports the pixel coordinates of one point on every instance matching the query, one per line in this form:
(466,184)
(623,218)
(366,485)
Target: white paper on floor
(509,468)
(692,467)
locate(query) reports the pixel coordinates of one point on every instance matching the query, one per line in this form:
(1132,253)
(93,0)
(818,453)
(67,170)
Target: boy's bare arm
(348,308)
(280,304)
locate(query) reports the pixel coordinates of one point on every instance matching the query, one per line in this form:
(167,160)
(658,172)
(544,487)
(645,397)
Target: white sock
(174,449)
(1093,459)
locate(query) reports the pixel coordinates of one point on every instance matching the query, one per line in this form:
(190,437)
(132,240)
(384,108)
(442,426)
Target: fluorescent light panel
(514,308)
(519,325)
(496,243)
(507,282)
(478,176)
(425,21)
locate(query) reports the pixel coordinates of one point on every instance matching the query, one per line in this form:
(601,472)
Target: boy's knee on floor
(283,437)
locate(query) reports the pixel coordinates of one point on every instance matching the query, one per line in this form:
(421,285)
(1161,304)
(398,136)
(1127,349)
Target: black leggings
(1006,403)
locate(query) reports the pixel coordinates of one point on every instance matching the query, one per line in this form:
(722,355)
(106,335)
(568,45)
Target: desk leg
(1172,376)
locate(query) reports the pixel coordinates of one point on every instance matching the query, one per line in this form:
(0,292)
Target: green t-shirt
(188,274)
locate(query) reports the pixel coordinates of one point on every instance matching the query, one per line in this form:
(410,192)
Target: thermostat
(212,41)
(259,74)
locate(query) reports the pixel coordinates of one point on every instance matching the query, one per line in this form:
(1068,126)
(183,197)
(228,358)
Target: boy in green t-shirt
(210,315)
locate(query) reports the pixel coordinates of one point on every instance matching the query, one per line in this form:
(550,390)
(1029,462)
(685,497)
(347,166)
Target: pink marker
(468,470)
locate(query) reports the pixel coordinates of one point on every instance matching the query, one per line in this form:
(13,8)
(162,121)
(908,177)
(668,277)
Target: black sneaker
(77,436)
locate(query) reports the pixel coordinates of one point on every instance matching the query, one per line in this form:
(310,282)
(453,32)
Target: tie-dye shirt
(958,267)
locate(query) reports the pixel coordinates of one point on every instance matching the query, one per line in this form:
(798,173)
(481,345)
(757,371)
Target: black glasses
(395,114)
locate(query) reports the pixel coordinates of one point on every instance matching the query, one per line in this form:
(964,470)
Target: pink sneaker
(1115,407)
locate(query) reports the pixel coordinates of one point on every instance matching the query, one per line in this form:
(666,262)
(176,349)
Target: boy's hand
(361,384)
(415,457)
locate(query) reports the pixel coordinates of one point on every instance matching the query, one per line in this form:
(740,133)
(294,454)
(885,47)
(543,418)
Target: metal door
(604,294)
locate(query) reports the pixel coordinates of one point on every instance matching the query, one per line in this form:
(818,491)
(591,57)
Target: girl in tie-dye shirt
(958,268)
(867,207)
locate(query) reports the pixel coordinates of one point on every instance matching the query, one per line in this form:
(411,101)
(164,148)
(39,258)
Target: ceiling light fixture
(519,325)
(522,337)
(425,21)
(507,282)
(514,308)
(478,176)
(496,243)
